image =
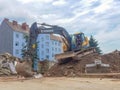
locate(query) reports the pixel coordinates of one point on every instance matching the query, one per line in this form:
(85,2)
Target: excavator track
(74,55)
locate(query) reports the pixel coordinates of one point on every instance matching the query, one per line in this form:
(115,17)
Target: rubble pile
(113,59)
(76,68)
(10,65)
(7,64)
(24,68)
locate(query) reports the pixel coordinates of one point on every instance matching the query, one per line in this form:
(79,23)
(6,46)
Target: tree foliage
(25,46)
(94,43)
(30,52)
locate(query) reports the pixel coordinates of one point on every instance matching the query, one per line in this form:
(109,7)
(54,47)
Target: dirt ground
(59,83)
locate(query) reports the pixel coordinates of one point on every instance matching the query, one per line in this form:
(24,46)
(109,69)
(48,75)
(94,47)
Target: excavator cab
(79,41)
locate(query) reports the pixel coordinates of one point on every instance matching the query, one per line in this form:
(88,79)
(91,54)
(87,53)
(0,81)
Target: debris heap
(113,59)
(7,64)
(76,68)
(24,68)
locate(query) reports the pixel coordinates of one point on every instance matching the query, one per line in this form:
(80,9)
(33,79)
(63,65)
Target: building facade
(48,46)
(12,37)
(12,41)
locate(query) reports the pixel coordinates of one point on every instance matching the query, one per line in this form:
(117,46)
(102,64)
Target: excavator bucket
(76,55)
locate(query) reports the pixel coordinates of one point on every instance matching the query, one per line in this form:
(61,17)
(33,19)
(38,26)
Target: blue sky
(100,18)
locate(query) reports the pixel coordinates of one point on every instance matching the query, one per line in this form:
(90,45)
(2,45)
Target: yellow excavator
(74,46)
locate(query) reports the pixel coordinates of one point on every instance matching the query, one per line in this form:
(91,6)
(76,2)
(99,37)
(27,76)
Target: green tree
(25,46)
(29,52)
(34,56)
(94,43)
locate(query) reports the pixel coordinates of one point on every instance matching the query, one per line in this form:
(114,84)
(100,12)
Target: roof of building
(24,28)
(55,37)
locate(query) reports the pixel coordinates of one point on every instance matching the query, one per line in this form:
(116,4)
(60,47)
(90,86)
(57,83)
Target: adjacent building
(12,37)
(48,46)
(12,41)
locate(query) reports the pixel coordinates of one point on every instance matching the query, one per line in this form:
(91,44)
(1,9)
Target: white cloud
(108,36)
(104,6)
(97,17)
(30,1)
(47,16)
(109,40)
(59,3)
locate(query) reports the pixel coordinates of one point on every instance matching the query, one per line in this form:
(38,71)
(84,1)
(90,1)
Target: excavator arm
(50,29)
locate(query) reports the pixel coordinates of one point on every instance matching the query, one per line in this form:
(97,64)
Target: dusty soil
(74,68)
(59,83)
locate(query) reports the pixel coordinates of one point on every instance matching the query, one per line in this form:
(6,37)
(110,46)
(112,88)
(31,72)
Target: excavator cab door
(79,39)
